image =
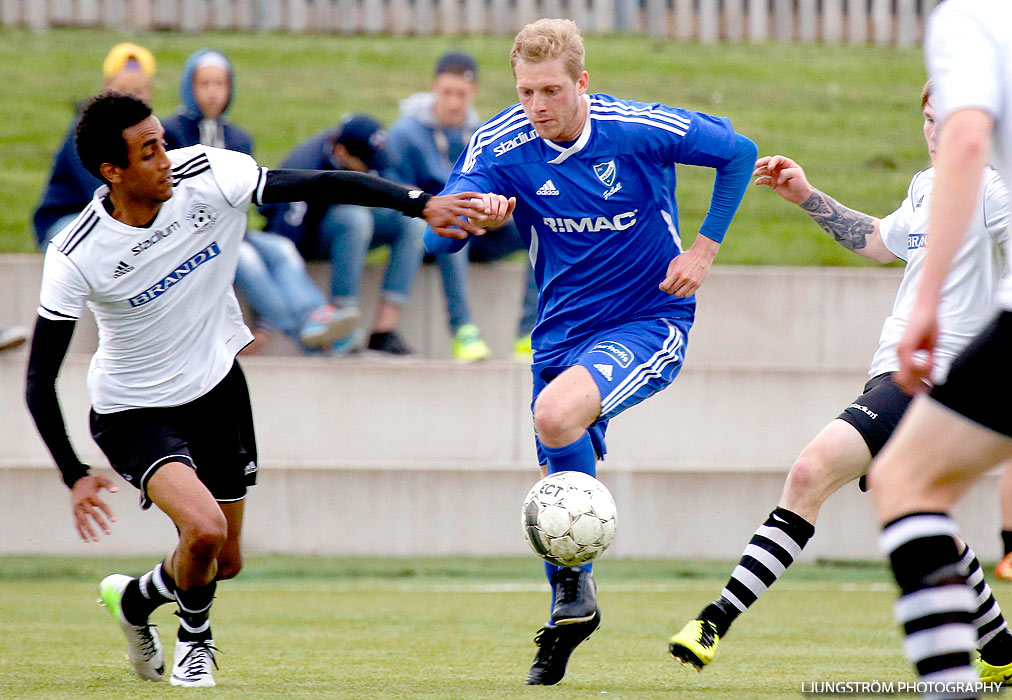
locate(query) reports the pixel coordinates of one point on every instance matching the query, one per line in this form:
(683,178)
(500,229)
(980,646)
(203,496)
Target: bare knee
(808,485)
(553,421)
(205,536)
(229,566)
(547,423)
(806,474)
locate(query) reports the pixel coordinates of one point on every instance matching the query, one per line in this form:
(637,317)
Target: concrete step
(315,412)
(464,512)
(765,316)
(434,458)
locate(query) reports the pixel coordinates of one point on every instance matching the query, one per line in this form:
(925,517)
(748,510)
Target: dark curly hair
(99,135)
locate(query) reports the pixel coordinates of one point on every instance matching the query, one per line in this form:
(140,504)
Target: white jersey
(969,55)
(969,291)
(169,325)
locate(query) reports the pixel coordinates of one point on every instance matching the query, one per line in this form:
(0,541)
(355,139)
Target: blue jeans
(348,232)
(272,276)
(494,245)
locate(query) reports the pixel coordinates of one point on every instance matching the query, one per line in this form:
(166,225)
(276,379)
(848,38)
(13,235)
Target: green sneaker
(143,646)
(695,644)
(468,345)
(993,674)
(522,351)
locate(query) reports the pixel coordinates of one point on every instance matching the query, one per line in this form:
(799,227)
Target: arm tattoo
(848,227)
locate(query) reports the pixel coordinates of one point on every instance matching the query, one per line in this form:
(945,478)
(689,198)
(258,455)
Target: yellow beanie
(119,58)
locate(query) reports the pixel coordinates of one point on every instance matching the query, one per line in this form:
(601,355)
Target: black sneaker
(556,644)
(575,596)
(389,342)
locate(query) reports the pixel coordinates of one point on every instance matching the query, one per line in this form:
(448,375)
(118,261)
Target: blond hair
(925,94)
(549,39)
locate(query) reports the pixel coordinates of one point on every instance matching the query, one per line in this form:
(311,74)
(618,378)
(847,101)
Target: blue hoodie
(183,127)
(421,151)
(69,190)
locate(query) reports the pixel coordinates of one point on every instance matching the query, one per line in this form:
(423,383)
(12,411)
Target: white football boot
(193,664)
(144,650)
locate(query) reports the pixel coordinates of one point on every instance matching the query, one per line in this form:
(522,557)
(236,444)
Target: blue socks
(577,456)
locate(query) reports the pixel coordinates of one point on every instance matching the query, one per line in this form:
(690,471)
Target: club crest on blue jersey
(606,172)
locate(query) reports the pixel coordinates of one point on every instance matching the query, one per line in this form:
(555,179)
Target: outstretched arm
(49,346)
(495,210)
(851,229)
(443,213)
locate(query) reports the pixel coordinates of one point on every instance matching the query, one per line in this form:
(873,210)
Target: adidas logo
(548,189)
(605,371)
(122,269)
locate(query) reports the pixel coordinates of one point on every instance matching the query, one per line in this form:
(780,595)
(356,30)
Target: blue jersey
(599,216)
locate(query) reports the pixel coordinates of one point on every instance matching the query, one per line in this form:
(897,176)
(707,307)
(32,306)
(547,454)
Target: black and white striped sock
(936,606)
(773,548)
(993,638)
(194,611)
(143,595)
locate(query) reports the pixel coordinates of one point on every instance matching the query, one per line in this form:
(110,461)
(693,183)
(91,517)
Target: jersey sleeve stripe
(83,221)
(599,104)
(183,172)
(478,143)
(635,120)
(258,191)
(51,315)
(69,247)
(179,178)
(645,112)
(184,165)
(490,132)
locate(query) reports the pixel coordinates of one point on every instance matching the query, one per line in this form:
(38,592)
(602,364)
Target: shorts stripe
(645,371)
(185,459)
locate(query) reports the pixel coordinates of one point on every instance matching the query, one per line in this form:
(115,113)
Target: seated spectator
(344,234)
(271,274)
(423,145)
(127,68)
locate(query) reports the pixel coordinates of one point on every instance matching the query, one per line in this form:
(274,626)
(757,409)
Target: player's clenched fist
(451,215)
(496,209)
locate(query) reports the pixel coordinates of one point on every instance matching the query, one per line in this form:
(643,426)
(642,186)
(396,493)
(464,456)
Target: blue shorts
(629,364)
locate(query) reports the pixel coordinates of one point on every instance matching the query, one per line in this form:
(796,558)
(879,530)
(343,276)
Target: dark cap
(365,139)
(458,63)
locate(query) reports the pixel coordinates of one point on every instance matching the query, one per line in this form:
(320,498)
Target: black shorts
(213,434)
(979,385)
(876,413)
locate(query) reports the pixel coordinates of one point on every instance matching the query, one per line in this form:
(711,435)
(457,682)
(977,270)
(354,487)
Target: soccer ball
(569,518)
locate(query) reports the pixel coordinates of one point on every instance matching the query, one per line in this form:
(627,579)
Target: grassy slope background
(849,115)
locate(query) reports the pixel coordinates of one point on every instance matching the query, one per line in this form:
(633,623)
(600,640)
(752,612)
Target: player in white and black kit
(964,427)
(153,256)
(843,450)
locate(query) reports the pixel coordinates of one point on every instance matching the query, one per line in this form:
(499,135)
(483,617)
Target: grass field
(304,628)
(850,115)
